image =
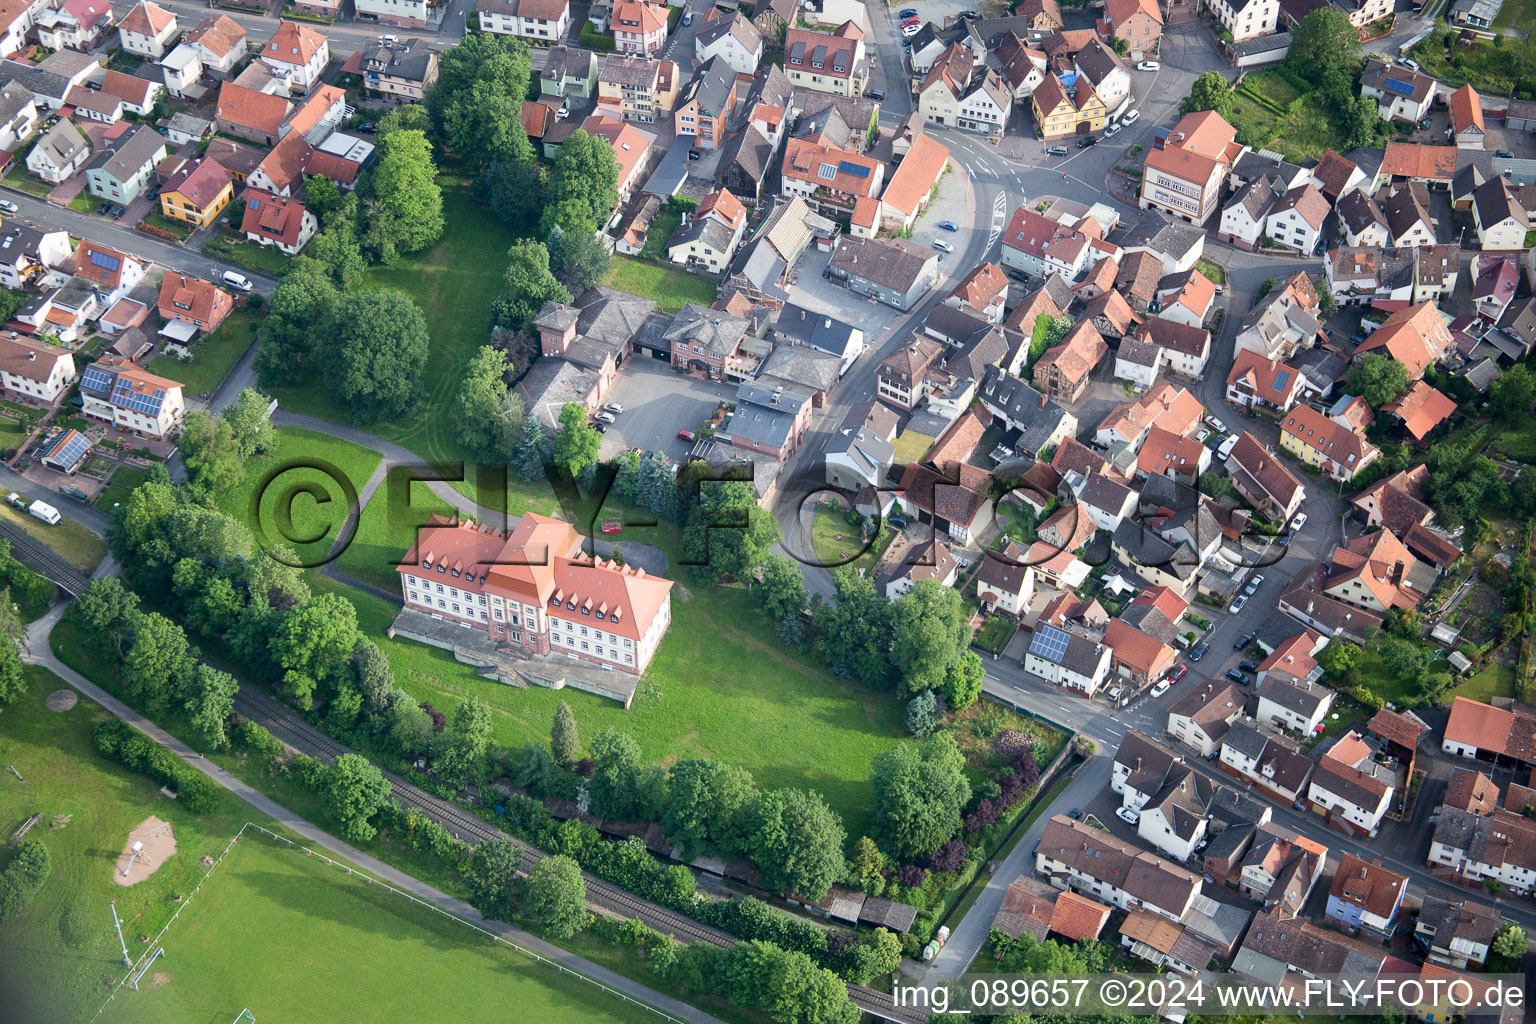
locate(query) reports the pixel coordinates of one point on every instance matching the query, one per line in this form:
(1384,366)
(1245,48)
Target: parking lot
(659,402)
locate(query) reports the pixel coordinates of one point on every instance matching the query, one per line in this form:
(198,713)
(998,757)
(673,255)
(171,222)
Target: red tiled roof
(1466,109)
(1412,160)
(913,180)
(147,19)
(201,182)
(248,108)
(276,217)
(1078,918)
(293,43)
(1422,409)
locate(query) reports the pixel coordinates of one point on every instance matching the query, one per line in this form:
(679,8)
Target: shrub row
(24,876)
(117,741)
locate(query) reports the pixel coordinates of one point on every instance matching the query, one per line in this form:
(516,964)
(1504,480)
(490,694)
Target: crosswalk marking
(999,205)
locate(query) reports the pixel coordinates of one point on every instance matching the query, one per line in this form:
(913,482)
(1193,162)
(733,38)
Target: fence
(156,949)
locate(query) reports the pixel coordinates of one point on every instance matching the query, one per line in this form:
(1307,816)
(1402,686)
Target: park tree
(781,587)
(564,744)
(864,870)
(535,452)
(490,414)
(578,442)
(614,787)
(323,197)
(923,714)
(709,806)
(579,258)
(476,101)
(410,117)
(157,660)
(373,676)
(1210,91)
(355,790)
(1323,50)
(853,633)
(583,186)
(492,878)
(404,213)
(1378,378)
(556,896)
(525,287)
(299,310)
(461,758)
(729,531)
(513,190)
(13,681)
(107,611)
(313,646)
(962,683)
(931,629)
(372,353)
(250,423)
(1510,942)
(337,251)
(797,843)
(920,793)
(211,454)
(210,700)
(1510,397)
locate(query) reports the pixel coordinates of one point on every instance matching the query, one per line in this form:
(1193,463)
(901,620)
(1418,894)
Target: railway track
(299,734)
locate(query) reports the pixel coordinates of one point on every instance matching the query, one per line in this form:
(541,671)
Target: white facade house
(34,369)
(1300,707)
(1296,219)
(1068,660)
(297,54)
(26,252)
(733,38)
(182,68)
(148,29)
(1083,858)
(544,22)
(1246,19)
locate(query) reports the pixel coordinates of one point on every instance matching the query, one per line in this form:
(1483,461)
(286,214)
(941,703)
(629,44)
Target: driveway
(659,402)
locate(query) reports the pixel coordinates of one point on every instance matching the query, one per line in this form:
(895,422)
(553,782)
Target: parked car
(1236,604)
(874,94)
(614,408)
(1244,640)
(1178,673)
(601,428)
(9,207)
(907,12)
(104,209)
(1129,815)
(1056,150)
(1018,275)
(1237,677)
(1284,540)
(1112,129)
(1254,583)
(948,225)
(1086,141)
(942,246)
(1148,65)
(1131,117)
(235,279)
(1409,63)
(968,15)
(118,211)
(1161,688)
(911,29)
(606,417)
(685,435)
(1076,814)
(612,527)
(367,127)
(1298,521)
(1248,666)
(1504,154)
(688,18)
(1198,651)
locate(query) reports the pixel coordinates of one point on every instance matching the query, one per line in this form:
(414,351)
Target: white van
(235,280)
(1226,447)
(47,513)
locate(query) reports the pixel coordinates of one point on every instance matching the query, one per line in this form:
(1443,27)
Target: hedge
(24,876)
(117,741)
(595,41)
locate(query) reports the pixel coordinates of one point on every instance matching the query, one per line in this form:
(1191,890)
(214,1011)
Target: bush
(594,41)
(117,741)
(24,876)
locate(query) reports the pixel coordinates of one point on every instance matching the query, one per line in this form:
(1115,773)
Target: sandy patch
(62,700)
(159,845)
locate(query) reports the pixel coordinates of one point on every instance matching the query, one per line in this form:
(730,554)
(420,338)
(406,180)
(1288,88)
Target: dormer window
(454,573)
(442,568)
(570,606)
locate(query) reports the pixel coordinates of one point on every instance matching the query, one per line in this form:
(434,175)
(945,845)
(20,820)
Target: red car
(685,435)
(1177,673)
(612,527)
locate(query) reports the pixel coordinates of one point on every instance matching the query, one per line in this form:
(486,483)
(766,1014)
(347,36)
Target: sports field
(298,941)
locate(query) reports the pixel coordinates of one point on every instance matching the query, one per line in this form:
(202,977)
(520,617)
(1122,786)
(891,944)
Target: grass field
(69,539)
(835,542)
(213,355)
(243,943)
(57,955)
(670,288)
(264,259)
(1488,68)
(123,481)
(288,490)
(1306,131)
(1494,681)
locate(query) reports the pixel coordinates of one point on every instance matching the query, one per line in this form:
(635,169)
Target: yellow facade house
(197,193)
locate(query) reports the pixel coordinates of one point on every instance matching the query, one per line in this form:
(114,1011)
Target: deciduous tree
(931,629)
(578,442)
(1209,91)
(250,423)
(373,352)
(490,420)
(1511,396)
(614,787)
(798,842)
(210,700)
(557,896)
(526,286)
(1378,378)
(920,793)
(403,189)
(583,187)
(492,878)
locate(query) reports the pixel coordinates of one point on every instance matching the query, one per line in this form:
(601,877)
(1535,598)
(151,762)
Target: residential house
(1467,118)
(197,193)
(960,510)
(1042,247)
(147,29)
(1064,372)
(1076,856)
(60,152)
(642,88)
(1136,656)
(1421,409)
(1201,717)
(1417,337)
(122,169)
(399,70)
(1167,454)
(247,114)
(984,291)
(1477,850)
(1173,409)
(1039,15)
(1500,217)
(1497,277)
(1246,19)
(111,273)
(912,184)
(220,43)
(296,54)
(73,24)
(772,17)
(731,37)
(1138,22)
(834,63)
(895,271)
(1258,382)
(27,254)
(1069,660)
(799,326)
(1106,501)
(1482,731)
(1244,218)
(1261,478)
(1101,67)
(194,301)
(705,104)
(35,369)
(1473,792)
(278,221)
(1062,111)
(569,71)
(1184,175)
(1004,581)
(706,341)
(540,22)
(534,611)
(710,234)
(1326,444)
(397,13)
(1275,948)
(1022,67)
(1401,94)
(1377,572)
(929,561)
(1186,298)
(1362,221)
(1283,321)
(1274,764)
(1350,788)
(860,459)
(1034,907)
(1295,220)
(1289,695)
(1281,869)
(116,391)
(631,151)
(1365,896)
(1040,422)
(831,179)
(1406,162)
(1407,215)
(639,27)
(1455,931)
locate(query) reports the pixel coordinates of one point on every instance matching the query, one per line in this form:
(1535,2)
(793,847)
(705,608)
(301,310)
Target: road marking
(999,206)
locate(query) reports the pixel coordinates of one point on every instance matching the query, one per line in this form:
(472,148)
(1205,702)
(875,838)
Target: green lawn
(58,955)
(17,177)
(283,478)
(720,686)
(253,255)
(995,633)
(70,540)
(157,218)
(1217,273)
(84,203)
(1494,681)
(670,288)
(249,940)
(835,542)
(1305,131)
(1489,68)
(663,224)
(213,355)
(1375,677)
(123,481)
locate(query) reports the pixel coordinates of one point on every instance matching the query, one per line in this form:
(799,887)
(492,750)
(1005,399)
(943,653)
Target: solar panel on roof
(1049,642)
(1281,378)
(104,261)
(1394,85)
(125,396)
(73,451)
(852,168)
(95,380)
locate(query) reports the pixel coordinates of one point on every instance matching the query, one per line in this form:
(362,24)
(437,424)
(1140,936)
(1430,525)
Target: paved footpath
(38,652)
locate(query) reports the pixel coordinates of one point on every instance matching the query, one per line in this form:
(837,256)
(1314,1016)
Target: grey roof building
(1039,420)
(893,271)
(801,368)
(800,326)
